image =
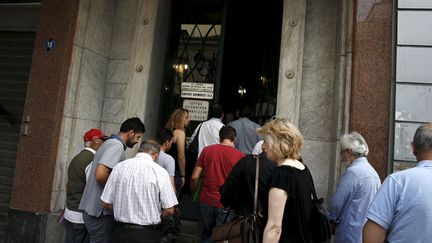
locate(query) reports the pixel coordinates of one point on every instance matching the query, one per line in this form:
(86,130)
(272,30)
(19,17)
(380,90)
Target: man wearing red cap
(75,228)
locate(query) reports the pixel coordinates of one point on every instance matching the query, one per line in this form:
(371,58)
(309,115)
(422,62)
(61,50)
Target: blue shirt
(247,135)
(403,205)
(350,202)
(167,162)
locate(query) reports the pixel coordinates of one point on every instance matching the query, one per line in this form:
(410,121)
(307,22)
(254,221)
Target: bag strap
(195,139)
(256,185)
(314,195)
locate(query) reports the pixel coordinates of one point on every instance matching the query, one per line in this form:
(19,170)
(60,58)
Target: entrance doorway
(225,52)
(250,65)
(231,46)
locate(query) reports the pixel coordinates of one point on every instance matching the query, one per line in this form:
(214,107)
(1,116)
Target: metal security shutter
(16,49)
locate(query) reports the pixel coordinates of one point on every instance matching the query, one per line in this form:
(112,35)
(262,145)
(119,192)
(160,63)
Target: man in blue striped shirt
(355,191)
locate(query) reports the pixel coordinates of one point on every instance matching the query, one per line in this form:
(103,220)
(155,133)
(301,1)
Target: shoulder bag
(319,223)
(243,229)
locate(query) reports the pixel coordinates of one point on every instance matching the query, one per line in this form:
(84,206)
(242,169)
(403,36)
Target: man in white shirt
(140,193)
(209,130)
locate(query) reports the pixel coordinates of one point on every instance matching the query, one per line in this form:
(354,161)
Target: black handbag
(243,229)
(319,223)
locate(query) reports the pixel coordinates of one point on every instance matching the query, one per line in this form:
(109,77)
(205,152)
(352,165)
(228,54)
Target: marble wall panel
(124,29)
(122,38)
(99,27)
(110,128)
(115,91)
(316,155)
(320,33)
(316,110)
(119,71)
(113,110)
(92,86)
(74,80)
(71,144)
(81,29)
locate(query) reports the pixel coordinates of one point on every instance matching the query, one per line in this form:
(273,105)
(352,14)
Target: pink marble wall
(37,154)
(371,78)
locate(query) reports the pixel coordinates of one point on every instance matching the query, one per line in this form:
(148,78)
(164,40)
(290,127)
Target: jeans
(100,228)
(211,217)
(75,233)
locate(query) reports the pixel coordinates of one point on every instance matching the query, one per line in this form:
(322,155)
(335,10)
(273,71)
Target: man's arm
(102,173)
(167,212)
(173,182)
(107,205)
(194,178)
(342,196)
(373,232)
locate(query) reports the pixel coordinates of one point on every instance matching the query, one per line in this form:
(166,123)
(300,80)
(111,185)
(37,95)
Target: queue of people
(110,199)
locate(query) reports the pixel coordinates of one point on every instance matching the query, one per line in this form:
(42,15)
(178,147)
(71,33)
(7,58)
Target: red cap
(93,134)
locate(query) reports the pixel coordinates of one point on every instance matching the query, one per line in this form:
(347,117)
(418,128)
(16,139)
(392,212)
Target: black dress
(174,153)
(296,183)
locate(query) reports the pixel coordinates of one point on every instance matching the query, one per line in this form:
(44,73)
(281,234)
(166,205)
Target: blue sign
(50,44)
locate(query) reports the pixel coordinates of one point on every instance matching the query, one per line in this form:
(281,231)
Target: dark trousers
(75,233)
(136,234)
(100,228)
(211,217)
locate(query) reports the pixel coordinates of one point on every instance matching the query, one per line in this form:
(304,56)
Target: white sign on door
(197,95)
(198,109)
(197,87)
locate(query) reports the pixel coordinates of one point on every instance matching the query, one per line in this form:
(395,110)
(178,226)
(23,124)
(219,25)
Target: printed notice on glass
(197,87)
(198,109)
(197,95)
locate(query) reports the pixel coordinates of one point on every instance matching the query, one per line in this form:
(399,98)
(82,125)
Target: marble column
(371,78)
(44,107)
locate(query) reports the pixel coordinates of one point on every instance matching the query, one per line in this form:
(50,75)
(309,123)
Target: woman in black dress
(177,123)
(290,188)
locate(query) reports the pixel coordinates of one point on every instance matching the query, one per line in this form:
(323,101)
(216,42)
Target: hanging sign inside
(197,90)
(198,109)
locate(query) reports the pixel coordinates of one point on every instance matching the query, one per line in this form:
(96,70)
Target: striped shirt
(139,189)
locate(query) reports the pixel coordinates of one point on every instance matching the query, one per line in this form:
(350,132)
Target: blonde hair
(176,120)
(283,138)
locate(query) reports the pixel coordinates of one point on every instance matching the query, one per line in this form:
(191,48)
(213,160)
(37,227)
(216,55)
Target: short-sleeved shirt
(208,133)
(109,154)
(247,136)
(350,202)
(139,189)
(297,184)
(167,162)
(217,162)
(403,205)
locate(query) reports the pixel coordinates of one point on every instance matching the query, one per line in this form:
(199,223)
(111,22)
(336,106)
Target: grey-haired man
(140,193)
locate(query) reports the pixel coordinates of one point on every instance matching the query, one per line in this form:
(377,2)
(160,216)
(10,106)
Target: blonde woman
(290,187)
(177,123)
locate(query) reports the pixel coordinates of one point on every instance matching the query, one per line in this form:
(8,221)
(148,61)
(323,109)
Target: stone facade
(114,69)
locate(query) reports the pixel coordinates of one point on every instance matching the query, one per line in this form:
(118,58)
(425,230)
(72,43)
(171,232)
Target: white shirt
(73,216)
(208,134)
(139,188)
(258,148)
